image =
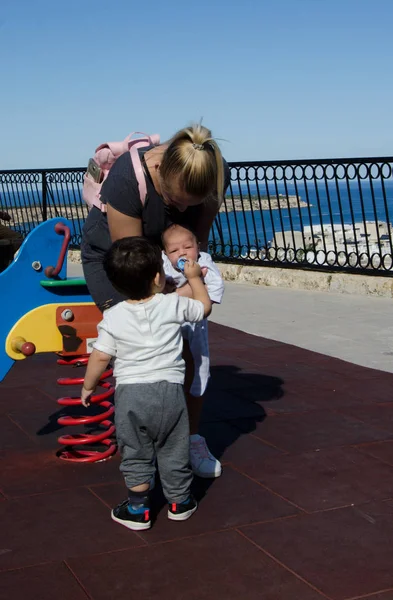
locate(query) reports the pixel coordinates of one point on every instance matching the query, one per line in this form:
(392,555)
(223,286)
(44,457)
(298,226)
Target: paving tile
(376,415)
(22,397)
(226,502)
(51,527)
(313,430)
(240,377)
(220,405)
(381,450)
(362,386)
(12,437)
(232,446)
(353,371)
(302,398)
(374,387)
(223,565)
(33,370)
(313,377)
(42,582)
(345,553)
(306,395)
(387,595)
(217,333)
(329,478)
(262,389)
(24,473)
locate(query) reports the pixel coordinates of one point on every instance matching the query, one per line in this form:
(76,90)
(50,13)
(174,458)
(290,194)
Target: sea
(328,203)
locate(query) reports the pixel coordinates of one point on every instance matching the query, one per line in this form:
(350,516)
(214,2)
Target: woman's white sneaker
(202,460)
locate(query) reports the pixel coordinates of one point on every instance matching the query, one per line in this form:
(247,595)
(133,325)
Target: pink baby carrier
(104,158)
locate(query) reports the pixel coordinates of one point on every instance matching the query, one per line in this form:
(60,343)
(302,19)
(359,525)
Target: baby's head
(134,268)
(179,242)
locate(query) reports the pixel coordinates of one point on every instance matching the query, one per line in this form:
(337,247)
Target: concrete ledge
(74,256)
(297,279)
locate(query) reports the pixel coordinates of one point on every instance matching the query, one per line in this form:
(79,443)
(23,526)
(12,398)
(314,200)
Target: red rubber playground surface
(303,510)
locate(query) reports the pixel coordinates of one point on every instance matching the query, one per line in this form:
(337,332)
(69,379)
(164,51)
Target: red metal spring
(72,453)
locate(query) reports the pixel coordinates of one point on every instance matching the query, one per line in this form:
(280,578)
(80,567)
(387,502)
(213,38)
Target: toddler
(143,334)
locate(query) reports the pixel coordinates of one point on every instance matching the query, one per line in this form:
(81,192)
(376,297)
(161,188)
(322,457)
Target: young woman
(186,179)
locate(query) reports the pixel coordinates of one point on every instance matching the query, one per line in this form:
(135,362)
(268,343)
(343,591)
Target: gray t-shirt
(121,191)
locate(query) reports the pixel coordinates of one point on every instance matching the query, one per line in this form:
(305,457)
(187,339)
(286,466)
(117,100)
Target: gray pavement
(358,329)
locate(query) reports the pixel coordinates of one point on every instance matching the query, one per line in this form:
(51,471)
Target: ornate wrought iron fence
(31,197)
(323,214)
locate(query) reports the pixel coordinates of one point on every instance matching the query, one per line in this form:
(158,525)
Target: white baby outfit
(197,333)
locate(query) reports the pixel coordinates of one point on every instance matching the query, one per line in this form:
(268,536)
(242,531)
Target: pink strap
(134,145)
(153,139)
(100,205)
(140,176)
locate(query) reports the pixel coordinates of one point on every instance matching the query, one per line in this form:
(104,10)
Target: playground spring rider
(55,315)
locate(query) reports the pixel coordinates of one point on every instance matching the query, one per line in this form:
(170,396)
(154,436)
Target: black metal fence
(330,214)
(31,197)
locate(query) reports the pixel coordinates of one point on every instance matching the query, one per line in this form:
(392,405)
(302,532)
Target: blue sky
(277,79)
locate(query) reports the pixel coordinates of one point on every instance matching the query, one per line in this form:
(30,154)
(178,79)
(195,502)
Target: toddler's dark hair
(131,265)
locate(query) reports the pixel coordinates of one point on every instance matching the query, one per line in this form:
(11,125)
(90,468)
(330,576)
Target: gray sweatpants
(152,422)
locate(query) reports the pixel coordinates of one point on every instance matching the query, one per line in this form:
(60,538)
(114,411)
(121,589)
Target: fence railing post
(44,197)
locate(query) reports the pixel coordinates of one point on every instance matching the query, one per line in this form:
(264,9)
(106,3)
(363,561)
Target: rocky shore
(34,213)
(264,203)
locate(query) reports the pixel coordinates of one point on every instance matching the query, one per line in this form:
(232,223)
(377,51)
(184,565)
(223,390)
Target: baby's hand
(192,270)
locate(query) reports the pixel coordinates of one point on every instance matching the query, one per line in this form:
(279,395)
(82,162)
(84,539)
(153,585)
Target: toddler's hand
(86,396)
(192,270)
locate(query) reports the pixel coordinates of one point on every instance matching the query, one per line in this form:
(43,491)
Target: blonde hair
(193,156)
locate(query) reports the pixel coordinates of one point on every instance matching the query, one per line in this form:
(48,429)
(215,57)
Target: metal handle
(52,272)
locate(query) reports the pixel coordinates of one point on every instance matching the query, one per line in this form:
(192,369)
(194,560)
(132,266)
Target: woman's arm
(120,192)
(121,225)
